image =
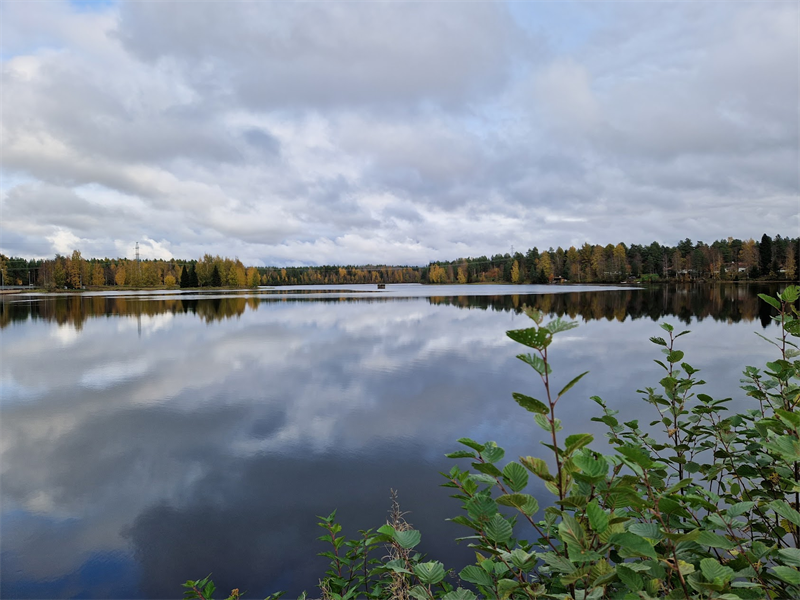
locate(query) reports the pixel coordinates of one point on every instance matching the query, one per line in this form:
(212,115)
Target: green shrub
(698,503)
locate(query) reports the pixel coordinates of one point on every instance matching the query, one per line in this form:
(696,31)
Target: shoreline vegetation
(724,260)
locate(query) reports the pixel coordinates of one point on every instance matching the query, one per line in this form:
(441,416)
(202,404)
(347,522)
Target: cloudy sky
(393,132)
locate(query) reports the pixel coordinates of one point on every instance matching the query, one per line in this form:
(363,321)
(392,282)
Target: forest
(730,259)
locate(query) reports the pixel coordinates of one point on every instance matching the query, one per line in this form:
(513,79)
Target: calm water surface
(151,438)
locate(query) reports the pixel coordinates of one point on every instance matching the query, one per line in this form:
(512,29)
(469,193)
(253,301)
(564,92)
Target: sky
(303,133)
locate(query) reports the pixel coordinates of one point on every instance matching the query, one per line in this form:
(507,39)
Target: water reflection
(731,303)
(208,440)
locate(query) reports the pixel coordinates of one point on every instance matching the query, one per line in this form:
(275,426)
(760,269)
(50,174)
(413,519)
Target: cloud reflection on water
(210,444)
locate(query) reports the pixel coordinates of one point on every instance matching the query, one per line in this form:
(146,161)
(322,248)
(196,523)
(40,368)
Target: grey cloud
(291,55)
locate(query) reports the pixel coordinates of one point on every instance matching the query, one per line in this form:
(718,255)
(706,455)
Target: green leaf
(667,327)
(471,443)
(525,503)
(633,545)
(418,593)
(407,539)
(481,506)
(647,530)
(429,573)
(790,556)
(537,466)
(598,518)
(591,466)
(542,422)
(531,404)
(498,529)
(740,508)
(675,356)
(571,383)
(523,560)
(788,574)
(459,594)
(557,326)
(492,452)
(532,337)
(488,469)
(461,454)
(571,530)
(536,362)
(658,340)
(787,512)
(790,294)
(476,575)
(770,300)
(557,563)
(577,441)
(506,587)
(515,475)
(709,538)
(713,571)
(630,578)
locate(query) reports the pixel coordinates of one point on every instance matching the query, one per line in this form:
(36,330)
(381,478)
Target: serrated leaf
(459,594)
(787,574)
(523,560)
(542,422)
(506,587)
(571,530)
(429,573)
(630,578)
(647,530)
(418,593)
(709,538)
(589,465)
(498,529)
(557,563)
(536,362)
(568,387)
(492,452)
(487,469)
(532,337)
(633,545)
(525,503)
(515,475)
(576,442)
(471,443)
(740,508)
(558,325)
(531,404)
(598,518)
(476,575)
(790,556)
(712,570)
(461,454)
(407,539)
(537,466)
(787,512)
(481,507)
(658,340)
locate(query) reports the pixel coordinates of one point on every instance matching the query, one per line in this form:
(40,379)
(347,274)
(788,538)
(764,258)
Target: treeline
(729,259)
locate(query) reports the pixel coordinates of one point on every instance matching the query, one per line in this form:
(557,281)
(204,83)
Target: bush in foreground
(699,503)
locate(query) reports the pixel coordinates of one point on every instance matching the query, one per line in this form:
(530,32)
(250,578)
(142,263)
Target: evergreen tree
(216,280)
(765,251)
(185,277)
(193,282)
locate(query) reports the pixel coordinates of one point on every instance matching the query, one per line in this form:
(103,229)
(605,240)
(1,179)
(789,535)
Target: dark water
(147,439)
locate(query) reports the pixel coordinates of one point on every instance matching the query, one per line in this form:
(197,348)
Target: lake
(148,438)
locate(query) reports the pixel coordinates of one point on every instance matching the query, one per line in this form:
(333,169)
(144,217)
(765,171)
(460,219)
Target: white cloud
(341,133)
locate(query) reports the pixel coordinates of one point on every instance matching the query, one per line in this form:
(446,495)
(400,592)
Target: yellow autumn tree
(515,272)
